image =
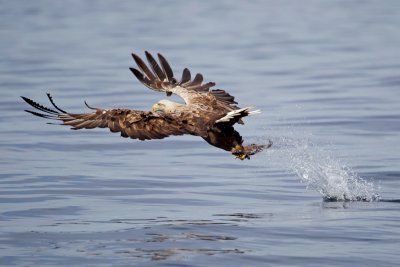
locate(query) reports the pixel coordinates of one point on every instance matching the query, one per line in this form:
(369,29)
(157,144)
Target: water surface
(324,73)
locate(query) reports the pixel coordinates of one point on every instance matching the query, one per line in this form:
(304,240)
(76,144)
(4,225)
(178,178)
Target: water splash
(320,171)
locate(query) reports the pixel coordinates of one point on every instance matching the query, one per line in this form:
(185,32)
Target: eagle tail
(236,115)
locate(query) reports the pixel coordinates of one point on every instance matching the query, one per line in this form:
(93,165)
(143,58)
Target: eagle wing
(160,77)
(135,124)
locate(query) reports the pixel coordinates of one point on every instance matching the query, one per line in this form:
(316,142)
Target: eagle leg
(244,152)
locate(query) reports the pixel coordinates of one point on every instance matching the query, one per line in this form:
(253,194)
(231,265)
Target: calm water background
(326,75)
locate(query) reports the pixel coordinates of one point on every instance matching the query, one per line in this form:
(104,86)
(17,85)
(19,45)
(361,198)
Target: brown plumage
(209,113)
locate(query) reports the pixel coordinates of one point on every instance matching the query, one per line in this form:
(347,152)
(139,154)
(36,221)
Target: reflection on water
(324,74)
(163,239)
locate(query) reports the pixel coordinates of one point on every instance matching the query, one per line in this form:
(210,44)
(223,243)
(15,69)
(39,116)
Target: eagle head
(165,106)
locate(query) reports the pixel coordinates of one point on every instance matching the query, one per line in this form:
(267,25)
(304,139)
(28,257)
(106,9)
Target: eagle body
(210,114)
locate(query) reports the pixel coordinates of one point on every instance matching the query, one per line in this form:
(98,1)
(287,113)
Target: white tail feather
(254,112)
(239,112)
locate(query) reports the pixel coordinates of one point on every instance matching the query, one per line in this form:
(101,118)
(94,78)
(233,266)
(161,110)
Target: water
(324,73)
(320,171)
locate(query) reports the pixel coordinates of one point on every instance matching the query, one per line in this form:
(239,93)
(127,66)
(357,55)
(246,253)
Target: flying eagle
(207,113)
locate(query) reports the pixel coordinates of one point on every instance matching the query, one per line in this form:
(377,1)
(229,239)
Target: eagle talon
(244,152)
(242,157)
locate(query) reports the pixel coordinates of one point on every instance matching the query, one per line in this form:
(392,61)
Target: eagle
(208,113)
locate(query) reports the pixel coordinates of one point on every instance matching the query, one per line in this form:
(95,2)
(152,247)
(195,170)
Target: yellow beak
(155,107)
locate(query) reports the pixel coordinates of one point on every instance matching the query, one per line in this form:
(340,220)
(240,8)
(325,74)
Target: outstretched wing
(160,77)
(135,124)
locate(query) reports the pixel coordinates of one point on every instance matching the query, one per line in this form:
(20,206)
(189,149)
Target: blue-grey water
(326,75)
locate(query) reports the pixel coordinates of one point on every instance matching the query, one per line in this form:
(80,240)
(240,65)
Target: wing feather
(198,79)
(135,124)
(155,67)
(146,71)
(162,79)
(166,68)
(206,87)
(186,77)
(38,106)
(143,79)
(223,96)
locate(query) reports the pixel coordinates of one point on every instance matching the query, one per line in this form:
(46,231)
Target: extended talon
(242,157)
(244,152)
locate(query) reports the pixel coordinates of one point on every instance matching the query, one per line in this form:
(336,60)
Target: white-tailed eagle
(207,113)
